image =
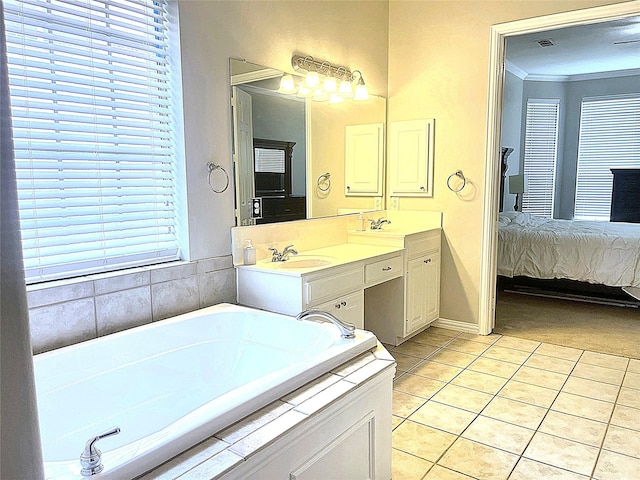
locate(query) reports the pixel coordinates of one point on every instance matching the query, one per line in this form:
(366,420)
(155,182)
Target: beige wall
(439,68)
(354,34)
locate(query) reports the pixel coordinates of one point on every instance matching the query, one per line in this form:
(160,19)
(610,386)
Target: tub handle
(91,458)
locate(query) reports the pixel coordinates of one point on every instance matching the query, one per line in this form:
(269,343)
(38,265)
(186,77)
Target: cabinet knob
(386,269)
(422,188)
(428,260)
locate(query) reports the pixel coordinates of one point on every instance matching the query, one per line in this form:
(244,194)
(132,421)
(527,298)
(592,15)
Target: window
(91,96)
(609,138)
(540,154)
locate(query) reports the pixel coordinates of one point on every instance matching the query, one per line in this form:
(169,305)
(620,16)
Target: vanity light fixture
(361,89)
(321,81)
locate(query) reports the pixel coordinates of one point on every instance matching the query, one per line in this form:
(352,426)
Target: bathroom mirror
(289,152)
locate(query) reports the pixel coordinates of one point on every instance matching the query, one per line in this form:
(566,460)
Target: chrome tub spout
(347,329)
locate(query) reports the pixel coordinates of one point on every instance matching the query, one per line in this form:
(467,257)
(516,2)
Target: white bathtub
(174,383)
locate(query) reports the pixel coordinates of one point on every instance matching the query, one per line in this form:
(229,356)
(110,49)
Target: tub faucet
(377,224)
(347,329)
(91,458)
(284,256)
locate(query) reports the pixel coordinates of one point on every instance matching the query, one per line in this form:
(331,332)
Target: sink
(311,262)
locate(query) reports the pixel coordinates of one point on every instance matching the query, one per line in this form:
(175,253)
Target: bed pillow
(525,219)
(504,218)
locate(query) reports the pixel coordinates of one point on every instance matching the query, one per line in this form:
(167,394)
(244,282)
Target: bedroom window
(93,115)
(609,138)
(540,153)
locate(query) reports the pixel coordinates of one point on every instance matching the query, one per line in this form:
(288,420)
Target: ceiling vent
(545,42)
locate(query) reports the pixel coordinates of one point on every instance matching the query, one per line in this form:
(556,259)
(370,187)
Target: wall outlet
(377,203)
(395,203)
(256,207)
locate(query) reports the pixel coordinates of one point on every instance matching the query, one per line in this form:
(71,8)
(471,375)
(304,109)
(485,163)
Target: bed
(605,253)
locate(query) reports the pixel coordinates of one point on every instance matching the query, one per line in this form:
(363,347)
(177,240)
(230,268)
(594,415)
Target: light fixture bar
(309,64)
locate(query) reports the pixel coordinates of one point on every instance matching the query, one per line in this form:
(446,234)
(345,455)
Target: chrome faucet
(91,458)
(284,256)
(347,329)
(377,224)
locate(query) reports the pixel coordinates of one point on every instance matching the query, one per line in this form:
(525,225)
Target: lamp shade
(516,184)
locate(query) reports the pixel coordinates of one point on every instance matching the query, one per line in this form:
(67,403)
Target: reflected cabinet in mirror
(297,158)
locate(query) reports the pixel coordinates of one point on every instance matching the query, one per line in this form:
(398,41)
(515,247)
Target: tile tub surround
(499,407)
(65,312)
(218,455)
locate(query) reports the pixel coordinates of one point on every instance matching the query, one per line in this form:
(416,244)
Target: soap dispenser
(361,223)
(249,254)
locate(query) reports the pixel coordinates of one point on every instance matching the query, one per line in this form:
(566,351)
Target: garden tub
(171,384)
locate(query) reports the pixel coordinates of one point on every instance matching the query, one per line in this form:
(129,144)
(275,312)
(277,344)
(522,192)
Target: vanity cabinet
(422,284)
(338,290)
(397,311)
(348,308)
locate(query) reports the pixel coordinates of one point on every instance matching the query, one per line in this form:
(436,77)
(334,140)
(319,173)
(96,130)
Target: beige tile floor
(497,407)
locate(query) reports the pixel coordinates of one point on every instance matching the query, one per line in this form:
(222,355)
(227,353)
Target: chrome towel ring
(324,182)
(460,175)
(212,168)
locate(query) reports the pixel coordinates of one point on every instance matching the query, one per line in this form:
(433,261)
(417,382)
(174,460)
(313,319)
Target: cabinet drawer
(383,270)
(332,285)
(428,243)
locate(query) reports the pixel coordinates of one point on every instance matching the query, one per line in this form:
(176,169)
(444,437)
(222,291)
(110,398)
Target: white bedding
(595,252)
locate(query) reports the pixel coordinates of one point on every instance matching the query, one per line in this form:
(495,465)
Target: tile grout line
(496,395)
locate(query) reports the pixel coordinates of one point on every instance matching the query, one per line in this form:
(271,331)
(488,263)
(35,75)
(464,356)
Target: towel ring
(324,179)
(460,175)
(212,168)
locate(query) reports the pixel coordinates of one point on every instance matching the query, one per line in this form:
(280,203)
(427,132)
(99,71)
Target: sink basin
(306,262)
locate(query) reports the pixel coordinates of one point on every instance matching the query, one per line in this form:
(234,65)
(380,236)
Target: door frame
(498,35)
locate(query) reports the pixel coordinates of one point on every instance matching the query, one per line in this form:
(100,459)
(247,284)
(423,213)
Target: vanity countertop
(391,231)
(310,261)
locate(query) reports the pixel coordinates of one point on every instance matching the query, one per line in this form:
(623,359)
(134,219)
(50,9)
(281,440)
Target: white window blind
(91,106)
(609,138)
(269,160)
(540,154)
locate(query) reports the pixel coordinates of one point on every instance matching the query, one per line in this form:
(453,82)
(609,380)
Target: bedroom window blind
(540,154)
(609,138)
(91,99)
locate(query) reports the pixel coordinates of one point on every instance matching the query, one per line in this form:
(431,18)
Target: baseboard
(456,325)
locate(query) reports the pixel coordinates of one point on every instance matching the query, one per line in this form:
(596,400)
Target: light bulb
(287,85)
(346,89)
(336,98)
(330,85)
(320,96)
(304,91)
(312,80)
(361,92)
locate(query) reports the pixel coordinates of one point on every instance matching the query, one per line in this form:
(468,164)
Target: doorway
(498,35)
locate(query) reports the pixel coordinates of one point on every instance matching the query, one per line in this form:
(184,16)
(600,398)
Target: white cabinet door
(348,308)
(431,289)
(422,291)
(411,158)
(364,166)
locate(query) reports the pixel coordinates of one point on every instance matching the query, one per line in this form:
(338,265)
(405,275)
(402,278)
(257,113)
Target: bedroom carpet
(587,326)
